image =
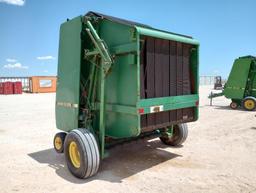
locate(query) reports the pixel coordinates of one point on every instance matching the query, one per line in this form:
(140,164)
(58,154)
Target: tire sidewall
(81,171)
(233,105)
(180,133)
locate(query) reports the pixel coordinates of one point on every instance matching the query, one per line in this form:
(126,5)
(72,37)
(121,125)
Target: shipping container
(42,84)
(17,88)
(7,88)
(1,88)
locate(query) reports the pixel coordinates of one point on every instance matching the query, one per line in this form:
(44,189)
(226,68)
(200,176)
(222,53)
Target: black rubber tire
(233,105)
(62,136)
(88,150)
(180,134)
(249,98)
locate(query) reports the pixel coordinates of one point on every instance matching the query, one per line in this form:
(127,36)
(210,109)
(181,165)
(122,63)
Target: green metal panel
(169,103)
(194,64)
(121,82)
(253,89)
(165,35)
(237,81)
(68,82)
(251,83)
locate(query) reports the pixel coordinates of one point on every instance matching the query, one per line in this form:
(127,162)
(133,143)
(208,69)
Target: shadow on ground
(123,161)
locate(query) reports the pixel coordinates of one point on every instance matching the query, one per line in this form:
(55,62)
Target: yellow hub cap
(249,104)
(74,154)
(58,143)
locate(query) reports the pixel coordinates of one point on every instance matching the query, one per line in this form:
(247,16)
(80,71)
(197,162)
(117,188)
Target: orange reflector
(141,111)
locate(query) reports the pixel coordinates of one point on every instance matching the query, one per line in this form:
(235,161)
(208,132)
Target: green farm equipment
(118,81)
(241,84)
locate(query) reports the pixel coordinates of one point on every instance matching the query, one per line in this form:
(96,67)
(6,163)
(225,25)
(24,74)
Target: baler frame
(168,103)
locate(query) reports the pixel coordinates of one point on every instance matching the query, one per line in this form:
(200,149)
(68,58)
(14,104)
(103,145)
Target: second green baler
(241,84)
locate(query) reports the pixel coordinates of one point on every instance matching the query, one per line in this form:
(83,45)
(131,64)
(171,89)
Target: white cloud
(15,65)
(10,59)
(46,58)
(45,71)
(14,2)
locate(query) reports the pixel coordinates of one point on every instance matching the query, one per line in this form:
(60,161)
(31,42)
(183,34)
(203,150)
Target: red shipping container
(17,88)
(1,88)
(8,88)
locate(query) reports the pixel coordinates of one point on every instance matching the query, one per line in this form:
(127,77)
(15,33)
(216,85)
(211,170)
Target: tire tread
(183,134)
(90,152)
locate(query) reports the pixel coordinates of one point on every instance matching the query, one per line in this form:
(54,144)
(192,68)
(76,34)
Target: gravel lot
(218,156)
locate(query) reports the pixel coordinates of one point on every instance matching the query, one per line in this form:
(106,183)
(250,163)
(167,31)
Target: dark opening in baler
(165,71)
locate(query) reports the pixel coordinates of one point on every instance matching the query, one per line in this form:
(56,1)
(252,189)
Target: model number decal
(68,105)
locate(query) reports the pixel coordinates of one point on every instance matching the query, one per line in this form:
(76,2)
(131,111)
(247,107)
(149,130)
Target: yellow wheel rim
(74,154)
(249,104)
(58,143)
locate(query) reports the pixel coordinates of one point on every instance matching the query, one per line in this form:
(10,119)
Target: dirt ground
(218,156)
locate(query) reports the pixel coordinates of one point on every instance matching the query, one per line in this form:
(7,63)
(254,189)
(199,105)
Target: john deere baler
(241,84)
(120,80)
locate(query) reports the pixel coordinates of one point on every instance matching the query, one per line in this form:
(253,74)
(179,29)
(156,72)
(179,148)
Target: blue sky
(29,32)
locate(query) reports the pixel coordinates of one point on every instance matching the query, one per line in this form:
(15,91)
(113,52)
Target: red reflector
(197,103)
(141,111)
